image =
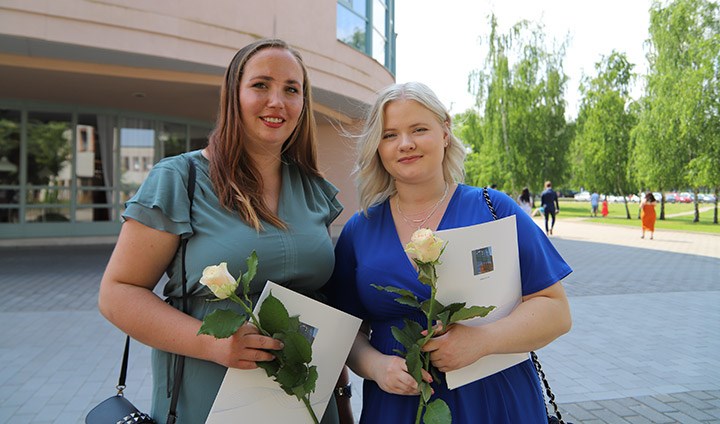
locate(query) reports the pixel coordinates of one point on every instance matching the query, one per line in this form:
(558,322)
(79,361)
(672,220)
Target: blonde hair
(374,183)
(234,176)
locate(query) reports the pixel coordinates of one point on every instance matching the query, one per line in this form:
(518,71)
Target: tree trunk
(697,210)
(662,206)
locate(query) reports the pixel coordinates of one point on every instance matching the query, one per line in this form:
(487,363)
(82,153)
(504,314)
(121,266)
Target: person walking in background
(409,171)
(525,201)
(594,201)
(258,188)
(647,214)
(605,211)
(551,206)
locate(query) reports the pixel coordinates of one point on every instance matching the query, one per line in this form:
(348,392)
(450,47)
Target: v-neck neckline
(387,214)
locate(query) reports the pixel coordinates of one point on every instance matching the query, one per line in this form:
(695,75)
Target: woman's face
(412,145)
(271,98)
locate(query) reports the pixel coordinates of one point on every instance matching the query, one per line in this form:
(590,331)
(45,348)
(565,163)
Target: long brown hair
(235,178)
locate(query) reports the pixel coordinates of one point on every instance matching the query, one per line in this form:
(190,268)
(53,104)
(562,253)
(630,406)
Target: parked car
(671,197)
(583,196)
(706,198)
(686,197)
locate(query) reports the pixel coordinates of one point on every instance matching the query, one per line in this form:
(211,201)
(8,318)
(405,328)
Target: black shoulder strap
(533,355)
(123,368)
(180,359)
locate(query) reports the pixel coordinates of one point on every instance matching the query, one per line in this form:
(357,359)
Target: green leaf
(444,317)
(435,374)
(297,349)
(437,412)
(409,301)
(414,362)
(413,329)
(426,274)
(273,316)
(454,307)
(271,367)
(252,263)
(290,376)
(293,324)
(391,289)
(432,307)
(222,323)
(425,391)
(471,312)
(403,337)
(311,379)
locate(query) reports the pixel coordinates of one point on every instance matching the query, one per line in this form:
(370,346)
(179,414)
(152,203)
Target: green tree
(523,136)
(676,140)
(601,149)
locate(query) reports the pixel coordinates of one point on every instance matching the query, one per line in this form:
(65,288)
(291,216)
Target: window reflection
(9,165)
(95,135)
(137,142)
(173,138)
(370,31)
(49,172)
(350,28)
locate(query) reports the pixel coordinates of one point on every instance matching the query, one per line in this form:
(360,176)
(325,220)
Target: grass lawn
(618,216)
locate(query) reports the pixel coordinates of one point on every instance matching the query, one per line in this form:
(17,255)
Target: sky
(438,41)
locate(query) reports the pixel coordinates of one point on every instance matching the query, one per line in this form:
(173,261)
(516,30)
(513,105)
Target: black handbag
(117,409)
(556,417)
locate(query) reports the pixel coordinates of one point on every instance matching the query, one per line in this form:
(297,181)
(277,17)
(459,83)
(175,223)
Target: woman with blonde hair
(409,173)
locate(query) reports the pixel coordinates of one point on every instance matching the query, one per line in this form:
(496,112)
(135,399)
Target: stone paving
(643,348)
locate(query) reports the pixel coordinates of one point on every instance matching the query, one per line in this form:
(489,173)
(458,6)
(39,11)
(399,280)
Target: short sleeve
(329,194)
(540,263)
(162,202)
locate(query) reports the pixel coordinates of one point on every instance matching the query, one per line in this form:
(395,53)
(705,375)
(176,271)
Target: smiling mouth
(273,120)
(409,158)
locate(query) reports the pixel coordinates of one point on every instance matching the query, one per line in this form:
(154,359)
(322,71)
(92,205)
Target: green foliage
(521,137)
(273,315)
(290,368)
(412,339)
(437,412)
(222,323)
(677,133)
(601,148)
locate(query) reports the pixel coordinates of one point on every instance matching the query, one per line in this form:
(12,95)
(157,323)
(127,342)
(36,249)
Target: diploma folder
(481,266)
(250,396)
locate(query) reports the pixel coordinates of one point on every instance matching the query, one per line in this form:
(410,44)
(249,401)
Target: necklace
(419,222)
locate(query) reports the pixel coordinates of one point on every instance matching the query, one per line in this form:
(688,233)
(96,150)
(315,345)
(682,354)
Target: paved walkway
(643,348)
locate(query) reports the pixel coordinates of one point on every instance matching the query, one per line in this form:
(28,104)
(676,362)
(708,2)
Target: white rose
(219,280)
(425,246)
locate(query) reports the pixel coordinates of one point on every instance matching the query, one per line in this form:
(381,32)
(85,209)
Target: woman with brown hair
(257,188)
(647,214)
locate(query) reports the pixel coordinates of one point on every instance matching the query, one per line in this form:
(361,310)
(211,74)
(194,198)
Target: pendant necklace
(420,222)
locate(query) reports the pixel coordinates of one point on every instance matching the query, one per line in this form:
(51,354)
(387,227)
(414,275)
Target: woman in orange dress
(647,214)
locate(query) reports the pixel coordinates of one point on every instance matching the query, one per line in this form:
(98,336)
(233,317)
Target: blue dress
(300,258)
(370,252)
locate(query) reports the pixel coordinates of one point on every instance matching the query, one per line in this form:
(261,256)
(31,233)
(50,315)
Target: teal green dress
(300,258)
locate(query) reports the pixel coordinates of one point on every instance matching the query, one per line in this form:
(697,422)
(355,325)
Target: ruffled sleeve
(162,202)
(329,194)
(315,194)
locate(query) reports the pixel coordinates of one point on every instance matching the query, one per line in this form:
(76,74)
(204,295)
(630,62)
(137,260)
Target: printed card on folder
(481,266)
(251,396)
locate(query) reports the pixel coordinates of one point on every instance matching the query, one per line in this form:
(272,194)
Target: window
(368,25)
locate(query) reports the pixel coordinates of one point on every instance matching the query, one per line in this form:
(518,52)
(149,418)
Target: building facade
(93,93)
